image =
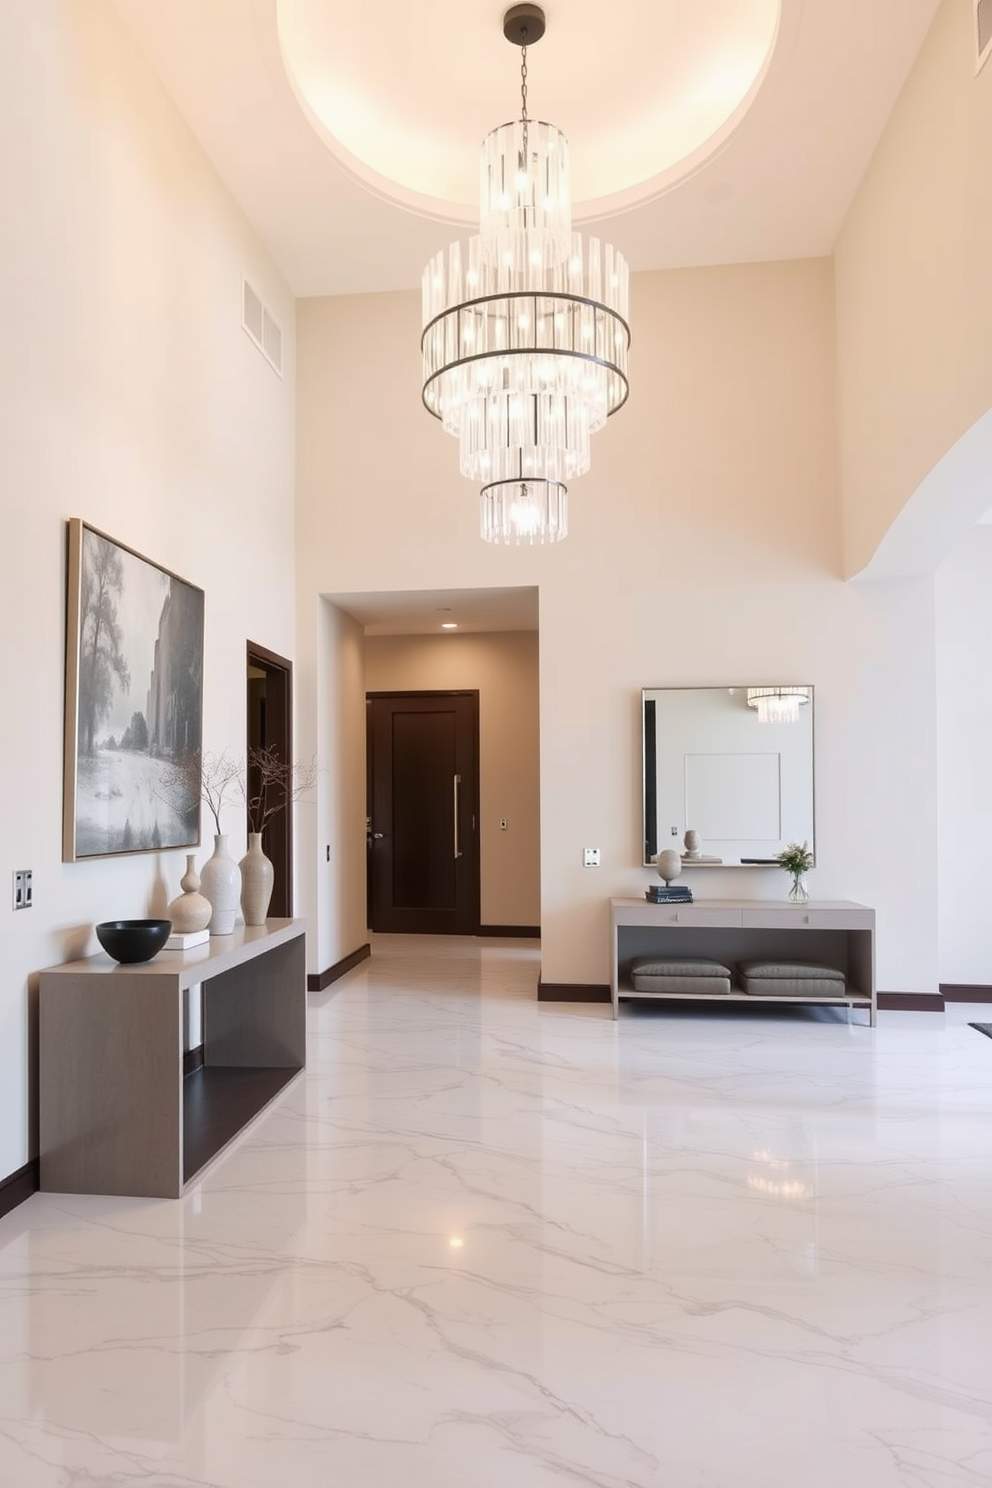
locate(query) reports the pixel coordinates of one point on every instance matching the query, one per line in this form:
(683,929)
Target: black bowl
(133,940)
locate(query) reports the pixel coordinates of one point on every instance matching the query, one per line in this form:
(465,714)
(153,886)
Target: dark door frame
(277,841)
(469,805)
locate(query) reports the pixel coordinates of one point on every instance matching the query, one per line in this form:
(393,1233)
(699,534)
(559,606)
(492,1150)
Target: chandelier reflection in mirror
(525,338)
(777,704)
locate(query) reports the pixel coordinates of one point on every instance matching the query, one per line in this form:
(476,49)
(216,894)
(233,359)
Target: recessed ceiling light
(449,624)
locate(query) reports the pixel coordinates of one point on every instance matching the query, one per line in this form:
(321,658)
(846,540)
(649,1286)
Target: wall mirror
(731,765)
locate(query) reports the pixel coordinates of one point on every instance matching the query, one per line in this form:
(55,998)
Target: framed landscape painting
(133,702)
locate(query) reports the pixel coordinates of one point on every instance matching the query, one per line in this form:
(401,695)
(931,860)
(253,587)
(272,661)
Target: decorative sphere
(668,864)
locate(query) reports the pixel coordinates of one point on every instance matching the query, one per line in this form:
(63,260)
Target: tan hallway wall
(504,669)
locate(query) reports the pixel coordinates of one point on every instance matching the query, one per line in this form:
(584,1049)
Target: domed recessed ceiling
(644,90)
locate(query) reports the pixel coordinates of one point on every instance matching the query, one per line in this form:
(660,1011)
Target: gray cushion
(688,976)
(798,987)
(793,970)
(683,986)
(680,966)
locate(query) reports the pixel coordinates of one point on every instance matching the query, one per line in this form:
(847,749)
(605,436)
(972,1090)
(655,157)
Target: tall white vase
(257,878)
(220,882)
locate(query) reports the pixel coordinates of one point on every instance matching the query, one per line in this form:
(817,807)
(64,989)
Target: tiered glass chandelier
(525,338)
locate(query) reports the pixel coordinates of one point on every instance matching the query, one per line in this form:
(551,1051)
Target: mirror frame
(649,862)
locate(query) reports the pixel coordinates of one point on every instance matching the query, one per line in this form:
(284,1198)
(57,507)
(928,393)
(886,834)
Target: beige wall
(705,547)
(964,713)
(130,397)
(331,836)
(504,669)
(914,316)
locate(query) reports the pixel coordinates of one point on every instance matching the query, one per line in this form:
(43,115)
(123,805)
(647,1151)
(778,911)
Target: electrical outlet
(503,824)
(23,888)
(590,857)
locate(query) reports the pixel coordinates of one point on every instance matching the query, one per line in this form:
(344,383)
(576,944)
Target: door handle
(457,780)
(377,836)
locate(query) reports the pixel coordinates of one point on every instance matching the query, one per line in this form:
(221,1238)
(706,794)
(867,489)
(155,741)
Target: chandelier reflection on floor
(525,340)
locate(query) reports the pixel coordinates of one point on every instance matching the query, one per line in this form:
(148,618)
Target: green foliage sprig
(796,858)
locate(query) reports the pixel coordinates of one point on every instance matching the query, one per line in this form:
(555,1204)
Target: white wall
(129,396)
(504,669)
(914,316)
(330,837)
(705,548)
(964,711)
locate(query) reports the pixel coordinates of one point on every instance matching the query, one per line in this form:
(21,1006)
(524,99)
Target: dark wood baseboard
(317,981)
(19,1186)
(518,932)
(193,1060)
(965,992)
(572,992)
(911,1002)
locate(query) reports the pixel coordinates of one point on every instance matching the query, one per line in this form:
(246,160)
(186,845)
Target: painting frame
(134,651)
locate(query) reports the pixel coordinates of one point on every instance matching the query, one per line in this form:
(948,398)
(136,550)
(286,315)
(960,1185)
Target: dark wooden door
(423,792)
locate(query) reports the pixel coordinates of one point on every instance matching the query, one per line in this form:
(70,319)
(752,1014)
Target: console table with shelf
(117,1114)
(835,932)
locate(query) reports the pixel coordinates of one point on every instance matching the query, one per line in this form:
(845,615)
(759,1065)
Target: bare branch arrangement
(272,783)
(213,777)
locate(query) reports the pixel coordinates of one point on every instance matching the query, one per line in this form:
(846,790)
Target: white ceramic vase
(191,910)
(220,882)
(257,876)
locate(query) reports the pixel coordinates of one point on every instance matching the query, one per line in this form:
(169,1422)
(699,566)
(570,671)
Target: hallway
(485,1241)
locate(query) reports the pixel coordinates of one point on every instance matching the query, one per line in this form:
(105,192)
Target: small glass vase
(798,889)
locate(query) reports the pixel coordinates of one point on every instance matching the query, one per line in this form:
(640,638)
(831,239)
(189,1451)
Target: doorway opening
(270,726)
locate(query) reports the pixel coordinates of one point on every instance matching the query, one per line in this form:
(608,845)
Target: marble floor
(485,1241)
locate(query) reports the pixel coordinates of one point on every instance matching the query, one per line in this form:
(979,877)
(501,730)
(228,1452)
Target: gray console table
(836,932)
(118,1115)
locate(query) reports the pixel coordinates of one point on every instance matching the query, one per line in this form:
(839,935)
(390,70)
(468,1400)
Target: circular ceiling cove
(644,90)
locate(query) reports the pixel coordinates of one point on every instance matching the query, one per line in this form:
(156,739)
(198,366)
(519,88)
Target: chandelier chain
(523,100)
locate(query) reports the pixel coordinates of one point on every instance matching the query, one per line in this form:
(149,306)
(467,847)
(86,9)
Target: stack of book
(669,894)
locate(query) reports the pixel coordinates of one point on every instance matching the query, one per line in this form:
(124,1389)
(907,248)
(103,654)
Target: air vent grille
(983,31)
(261,326)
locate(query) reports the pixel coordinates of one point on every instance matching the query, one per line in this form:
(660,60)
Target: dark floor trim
(965,992)
(19,1186)
(911,1002)
(317,981)
(518,932)
(572,992)
(193,1060)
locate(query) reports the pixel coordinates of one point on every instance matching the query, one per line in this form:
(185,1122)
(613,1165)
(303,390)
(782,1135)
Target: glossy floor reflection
(485,1241)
